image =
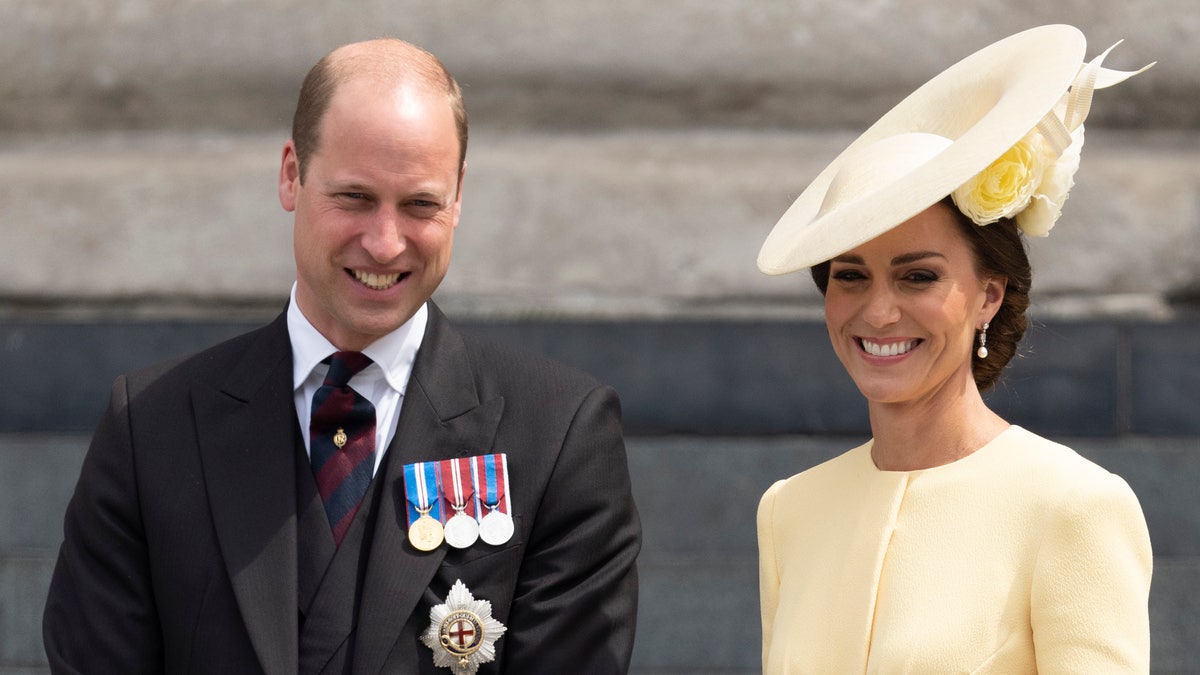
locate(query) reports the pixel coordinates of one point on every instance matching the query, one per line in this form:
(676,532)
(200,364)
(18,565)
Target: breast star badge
(462,632)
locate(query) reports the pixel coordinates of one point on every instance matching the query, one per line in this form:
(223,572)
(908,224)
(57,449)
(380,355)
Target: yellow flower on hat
(1005,187)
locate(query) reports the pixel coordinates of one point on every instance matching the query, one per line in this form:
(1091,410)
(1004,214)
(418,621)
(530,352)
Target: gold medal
(425,534)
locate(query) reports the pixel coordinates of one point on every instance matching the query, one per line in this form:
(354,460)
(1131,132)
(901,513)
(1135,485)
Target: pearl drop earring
(982,352)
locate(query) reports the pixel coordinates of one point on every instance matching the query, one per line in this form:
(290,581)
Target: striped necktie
(342,441)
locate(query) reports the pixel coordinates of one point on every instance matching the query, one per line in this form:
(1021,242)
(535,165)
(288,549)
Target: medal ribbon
(492,476)
(458,492)
(418,479)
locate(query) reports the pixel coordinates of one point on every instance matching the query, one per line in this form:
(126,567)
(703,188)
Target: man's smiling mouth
(378,282)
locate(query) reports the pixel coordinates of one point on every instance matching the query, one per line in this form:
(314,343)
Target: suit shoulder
(210,364)
(507,364)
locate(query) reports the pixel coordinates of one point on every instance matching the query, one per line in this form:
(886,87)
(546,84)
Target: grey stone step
(685,375)
(700,615)
(697,496)
(133,64)
(623,224)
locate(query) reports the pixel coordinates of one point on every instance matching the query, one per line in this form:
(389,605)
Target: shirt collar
(394,353)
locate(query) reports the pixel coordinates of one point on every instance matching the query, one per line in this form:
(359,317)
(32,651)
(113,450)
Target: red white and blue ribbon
(421,490)
(491,475)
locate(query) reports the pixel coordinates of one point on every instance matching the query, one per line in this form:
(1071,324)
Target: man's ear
(458,197)
(289,177)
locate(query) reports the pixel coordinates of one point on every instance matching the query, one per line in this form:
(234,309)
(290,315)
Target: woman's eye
(921,277)
(848,275)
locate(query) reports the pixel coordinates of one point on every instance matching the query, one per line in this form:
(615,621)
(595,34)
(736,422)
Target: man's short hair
(334,68)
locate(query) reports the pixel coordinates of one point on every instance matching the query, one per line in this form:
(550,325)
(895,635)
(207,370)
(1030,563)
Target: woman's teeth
(891,349)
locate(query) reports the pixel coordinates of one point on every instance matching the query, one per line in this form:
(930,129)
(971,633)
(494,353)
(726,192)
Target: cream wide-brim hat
(928,145)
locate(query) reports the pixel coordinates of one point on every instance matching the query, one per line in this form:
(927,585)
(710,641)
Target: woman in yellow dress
(952,541)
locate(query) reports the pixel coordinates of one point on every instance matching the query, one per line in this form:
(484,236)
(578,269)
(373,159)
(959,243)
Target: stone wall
(626,160)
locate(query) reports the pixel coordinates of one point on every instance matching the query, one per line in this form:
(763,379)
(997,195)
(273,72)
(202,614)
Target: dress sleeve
(1091,582)
(768,569)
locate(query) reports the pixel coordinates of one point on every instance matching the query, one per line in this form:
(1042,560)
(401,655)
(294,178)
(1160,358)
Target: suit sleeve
(100,614)
(575,606)
(1091,584)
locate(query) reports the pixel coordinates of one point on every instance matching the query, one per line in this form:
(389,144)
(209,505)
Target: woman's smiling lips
(885,348)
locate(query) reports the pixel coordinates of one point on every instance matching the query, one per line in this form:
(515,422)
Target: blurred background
(626,160)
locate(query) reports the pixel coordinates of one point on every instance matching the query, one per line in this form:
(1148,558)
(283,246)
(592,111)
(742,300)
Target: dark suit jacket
(180,540)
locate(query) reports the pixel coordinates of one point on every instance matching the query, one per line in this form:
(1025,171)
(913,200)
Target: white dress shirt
(382,383)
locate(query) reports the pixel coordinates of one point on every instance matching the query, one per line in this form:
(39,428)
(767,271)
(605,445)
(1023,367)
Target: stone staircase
(626,161)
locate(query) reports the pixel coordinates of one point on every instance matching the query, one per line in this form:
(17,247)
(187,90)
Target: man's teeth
(892,349)
(376,281)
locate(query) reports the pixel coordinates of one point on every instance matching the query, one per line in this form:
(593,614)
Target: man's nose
(383,237)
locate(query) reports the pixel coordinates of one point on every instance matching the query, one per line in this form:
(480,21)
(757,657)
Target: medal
(425,534)
(462,632)
(462,529)
(496,527)
(425,531)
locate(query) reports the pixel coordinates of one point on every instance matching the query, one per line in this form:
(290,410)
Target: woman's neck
(938,430)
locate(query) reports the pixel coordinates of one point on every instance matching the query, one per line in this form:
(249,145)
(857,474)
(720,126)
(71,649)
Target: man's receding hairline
(388,64)
(388,61)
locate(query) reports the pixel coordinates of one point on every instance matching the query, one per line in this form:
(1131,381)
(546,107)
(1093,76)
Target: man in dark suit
(202,537)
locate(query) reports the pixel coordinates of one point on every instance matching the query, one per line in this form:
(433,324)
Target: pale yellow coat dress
(1022,557)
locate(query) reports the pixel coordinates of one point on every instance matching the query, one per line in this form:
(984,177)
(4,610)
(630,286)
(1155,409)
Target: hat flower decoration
(1000,132)
(1031,181)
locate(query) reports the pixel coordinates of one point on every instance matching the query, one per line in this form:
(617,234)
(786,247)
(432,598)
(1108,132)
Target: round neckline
(962,461)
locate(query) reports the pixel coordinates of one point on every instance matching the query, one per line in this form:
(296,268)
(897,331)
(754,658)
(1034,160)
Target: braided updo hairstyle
(1000,252)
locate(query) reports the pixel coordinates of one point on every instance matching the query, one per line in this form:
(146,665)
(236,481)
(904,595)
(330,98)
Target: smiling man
(356,487)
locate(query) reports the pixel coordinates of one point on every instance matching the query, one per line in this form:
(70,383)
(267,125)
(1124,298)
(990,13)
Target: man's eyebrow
(347,186)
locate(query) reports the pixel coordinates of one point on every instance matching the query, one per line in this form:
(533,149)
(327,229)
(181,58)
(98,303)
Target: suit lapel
(441,416)
(246,433)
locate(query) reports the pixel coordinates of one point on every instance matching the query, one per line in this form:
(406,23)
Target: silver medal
(496,527)
(461,530)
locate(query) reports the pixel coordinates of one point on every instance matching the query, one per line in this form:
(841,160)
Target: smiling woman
(901,310)
(951,541)
(998,253)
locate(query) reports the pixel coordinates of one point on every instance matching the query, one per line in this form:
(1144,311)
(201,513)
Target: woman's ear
(993,296)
